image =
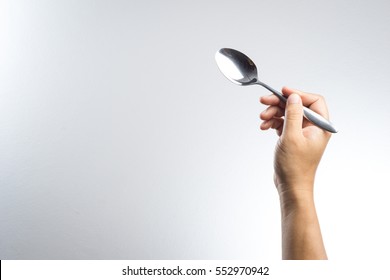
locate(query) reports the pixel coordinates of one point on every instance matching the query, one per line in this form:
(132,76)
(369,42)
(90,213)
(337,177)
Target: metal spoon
(241,70)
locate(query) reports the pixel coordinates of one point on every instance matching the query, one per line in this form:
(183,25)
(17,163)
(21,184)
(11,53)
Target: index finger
(272,100)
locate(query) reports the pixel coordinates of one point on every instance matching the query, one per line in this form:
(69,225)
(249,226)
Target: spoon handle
(318,120)
(274,91)
(310,115)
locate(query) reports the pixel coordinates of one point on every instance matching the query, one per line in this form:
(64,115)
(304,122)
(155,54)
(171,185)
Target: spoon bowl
(241,70)
(236,66)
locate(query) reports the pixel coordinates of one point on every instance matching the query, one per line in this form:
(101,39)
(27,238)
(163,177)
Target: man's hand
(301,144)
(298,152)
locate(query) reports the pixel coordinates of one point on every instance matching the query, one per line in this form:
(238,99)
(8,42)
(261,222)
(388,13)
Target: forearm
(301,233)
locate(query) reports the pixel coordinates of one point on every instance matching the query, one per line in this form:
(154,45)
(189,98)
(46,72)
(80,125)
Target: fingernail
(293,99)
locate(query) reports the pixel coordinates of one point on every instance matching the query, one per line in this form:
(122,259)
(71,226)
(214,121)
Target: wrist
(295,200)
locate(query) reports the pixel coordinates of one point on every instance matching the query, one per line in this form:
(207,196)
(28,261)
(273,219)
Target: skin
(297,155)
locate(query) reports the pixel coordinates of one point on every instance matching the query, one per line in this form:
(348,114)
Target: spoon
(241,70)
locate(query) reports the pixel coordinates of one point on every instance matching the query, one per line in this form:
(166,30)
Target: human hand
(301,143)
(297,155)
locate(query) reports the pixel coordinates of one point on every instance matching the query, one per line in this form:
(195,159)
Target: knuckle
(319,97)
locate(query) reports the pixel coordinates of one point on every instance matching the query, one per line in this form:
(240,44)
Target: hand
(297,155)
(301,143)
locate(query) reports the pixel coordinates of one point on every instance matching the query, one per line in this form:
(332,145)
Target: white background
(120,138)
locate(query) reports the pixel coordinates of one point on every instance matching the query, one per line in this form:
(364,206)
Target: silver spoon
(241,70)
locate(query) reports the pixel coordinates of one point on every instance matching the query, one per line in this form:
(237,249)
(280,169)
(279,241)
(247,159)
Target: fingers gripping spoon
(241,70)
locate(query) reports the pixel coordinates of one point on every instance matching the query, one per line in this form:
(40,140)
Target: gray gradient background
(120,139)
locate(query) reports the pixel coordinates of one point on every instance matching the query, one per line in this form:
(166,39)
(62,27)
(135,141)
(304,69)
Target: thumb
(293,116)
